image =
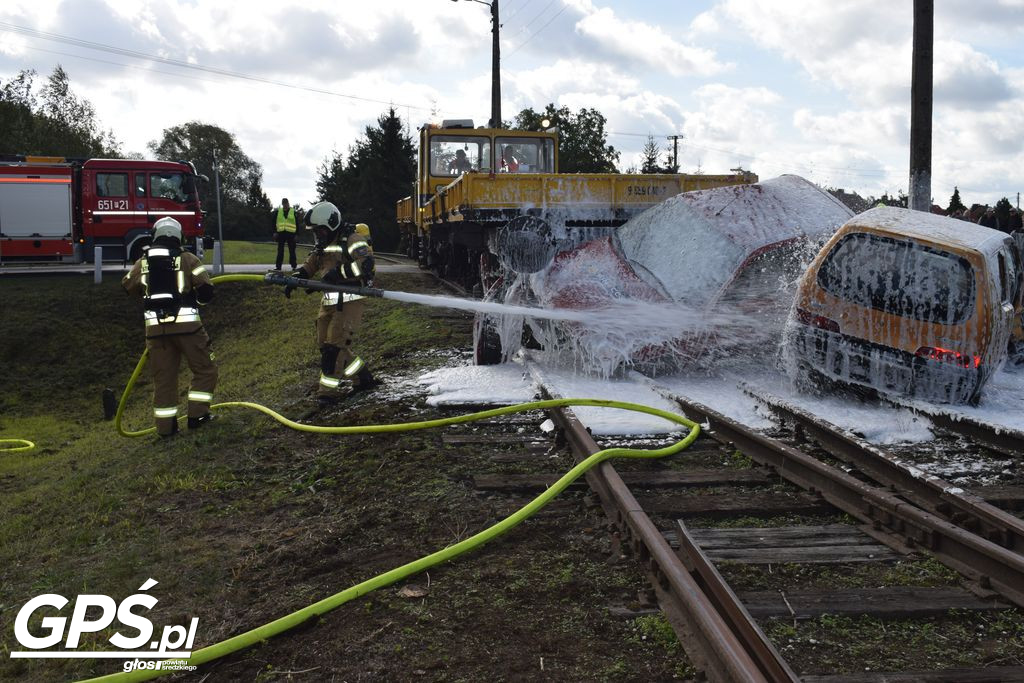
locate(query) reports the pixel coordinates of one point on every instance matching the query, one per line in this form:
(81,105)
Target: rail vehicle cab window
(111,184)
(900,277)
(456,154)
(174,186)
(525,155)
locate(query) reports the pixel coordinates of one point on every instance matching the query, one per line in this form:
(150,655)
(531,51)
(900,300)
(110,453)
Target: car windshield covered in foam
(900,277)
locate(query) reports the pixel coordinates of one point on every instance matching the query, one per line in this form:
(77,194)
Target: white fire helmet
(324,215)
(167,227)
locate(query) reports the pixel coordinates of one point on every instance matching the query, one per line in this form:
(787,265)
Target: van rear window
(900,277)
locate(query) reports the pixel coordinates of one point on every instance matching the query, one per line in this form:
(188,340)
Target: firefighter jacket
(353,262)
(173,284)
(285,222)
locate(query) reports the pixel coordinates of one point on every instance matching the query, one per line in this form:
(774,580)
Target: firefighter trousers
(164,359)
(334,333)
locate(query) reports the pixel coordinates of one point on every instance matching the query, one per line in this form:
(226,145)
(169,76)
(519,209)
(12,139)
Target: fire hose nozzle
(289,281)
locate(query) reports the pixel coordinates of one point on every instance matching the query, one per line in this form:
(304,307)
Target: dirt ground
(533,605)
(247,521)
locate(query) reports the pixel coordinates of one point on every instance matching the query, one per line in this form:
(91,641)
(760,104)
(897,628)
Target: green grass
(89,511)
(244,253)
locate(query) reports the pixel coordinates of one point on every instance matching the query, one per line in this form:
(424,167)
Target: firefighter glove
(334,276)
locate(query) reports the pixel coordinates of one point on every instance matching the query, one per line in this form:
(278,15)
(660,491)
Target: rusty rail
(897,520)
(951,502)
(1002,439)
(719,635)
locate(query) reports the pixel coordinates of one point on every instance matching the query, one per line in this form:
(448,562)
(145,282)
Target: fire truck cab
(55,209)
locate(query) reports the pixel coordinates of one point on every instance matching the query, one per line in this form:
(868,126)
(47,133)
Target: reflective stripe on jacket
(181,316)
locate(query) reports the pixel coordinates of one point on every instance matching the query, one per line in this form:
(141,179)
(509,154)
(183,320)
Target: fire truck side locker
(36,213)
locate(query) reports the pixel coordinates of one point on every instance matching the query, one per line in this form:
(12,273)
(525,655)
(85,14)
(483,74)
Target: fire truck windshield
(174,186)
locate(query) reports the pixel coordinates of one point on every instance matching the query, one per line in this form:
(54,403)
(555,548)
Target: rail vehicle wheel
(486,341)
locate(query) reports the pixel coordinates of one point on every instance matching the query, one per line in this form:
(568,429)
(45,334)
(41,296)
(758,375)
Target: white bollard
(97,257)
(218,259)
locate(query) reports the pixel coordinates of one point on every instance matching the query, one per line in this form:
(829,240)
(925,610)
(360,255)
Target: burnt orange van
(907,302)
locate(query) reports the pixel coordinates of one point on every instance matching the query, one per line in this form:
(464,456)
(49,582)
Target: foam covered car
(908,303)
(695,273)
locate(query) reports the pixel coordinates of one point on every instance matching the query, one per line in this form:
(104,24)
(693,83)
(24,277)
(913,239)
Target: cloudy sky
(819,89)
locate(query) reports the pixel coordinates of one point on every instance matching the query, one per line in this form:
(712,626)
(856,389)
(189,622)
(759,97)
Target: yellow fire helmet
(363,230)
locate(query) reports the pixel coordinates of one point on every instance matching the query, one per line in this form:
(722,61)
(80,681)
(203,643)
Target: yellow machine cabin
(480,190)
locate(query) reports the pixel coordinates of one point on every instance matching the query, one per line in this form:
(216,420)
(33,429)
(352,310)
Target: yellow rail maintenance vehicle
(488,200)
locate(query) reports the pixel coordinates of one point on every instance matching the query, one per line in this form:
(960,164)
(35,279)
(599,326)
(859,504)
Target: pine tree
(651,154)
(380,170)
(954,202)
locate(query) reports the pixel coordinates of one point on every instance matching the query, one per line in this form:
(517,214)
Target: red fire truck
(55,209)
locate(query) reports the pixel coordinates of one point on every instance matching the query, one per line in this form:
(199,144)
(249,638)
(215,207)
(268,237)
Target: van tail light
(948,356)
(819,321)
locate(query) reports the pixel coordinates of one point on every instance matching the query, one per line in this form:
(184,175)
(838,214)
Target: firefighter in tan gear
(173,284)
(344,257)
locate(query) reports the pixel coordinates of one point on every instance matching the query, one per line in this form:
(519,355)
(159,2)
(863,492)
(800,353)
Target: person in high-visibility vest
(173,284)
(343,255)
(284,233)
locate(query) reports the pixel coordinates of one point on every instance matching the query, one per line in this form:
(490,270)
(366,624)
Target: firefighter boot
(173,432)
(197,422)
(365,381)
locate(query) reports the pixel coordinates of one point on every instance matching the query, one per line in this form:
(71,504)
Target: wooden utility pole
(920,192)
(495,121)
(675,150)
(495,69)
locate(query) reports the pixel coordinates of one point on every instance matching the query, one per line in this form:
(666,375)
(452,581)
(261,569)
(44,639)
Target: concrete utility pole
(675,150)
(920,193)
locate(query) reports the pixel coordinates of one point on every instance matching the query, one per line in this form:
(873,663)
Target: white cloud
(866,128)
(834,107)
(645,45)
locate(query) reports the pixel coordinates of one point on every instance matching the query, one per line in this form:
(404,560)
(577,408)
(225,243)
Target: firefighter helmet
(324,215)
(362,229)
(167,227)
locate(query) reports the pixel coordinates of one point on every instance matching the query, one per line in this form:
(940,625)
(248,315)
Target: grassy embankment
(89,511)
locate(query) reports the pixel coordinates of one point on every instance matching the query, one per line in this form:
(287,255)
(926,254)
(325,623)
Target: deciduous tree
(582,141)
(55,122)
(246,209)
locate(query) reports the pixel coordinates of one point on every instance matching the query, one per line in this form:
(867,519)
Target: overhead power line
(848,170)
(537,16)
(537,32)
(124,52)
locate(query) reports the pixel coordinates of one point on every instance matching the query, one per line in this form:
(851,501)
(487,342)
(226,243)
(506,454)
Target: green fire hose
(261,633)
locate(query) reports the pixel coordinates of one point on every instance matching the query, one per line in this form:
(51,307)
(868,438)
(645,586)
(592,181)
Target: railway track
(825,503)
(736,536)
